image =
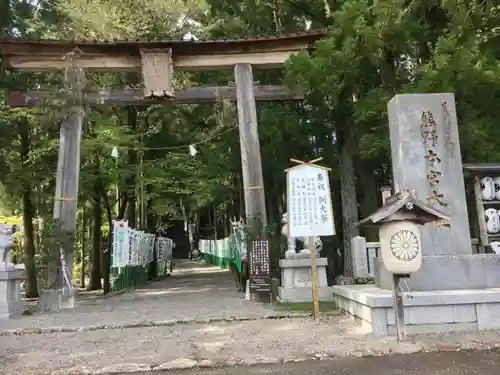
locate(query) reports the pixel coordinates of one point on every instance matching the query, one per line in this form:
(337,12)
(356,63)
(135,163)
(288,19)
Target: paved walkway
(194,291)
(456,363)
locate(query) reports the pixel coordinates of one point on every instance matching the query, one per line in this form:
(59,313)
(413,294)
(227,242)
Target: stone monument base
(11,303)
(297,295)
(56,299)
(447,272)
(296,283)
(430,311)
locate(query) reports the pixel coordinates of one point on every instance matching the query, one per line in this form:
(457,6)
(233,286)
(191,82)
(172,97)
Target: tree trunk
(131,181)
(369,199)
(101,192)
(346,144)
(215,222)
(95,273)
(107,254)
(122,208)
(151,228)
(28,214)
(84,243)
(335,258)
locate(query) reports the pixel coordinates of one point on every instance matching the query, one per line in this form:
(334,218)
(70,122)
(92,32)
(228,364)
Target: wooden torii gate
(157,60)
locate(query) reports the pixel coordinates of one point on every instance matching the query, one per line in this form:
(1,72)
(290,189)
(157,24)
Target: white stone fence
(364,254)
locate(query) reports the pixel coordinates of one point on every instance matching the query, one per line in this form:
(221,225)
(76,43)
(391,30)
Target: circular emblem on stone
(404,245)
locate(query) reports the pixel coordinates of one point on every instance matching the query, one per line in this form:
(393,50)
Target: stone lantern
(11,302)
(398,221)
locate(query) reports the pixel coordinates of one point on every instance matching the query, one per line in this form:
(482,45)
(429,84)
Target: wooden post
(483,233)
(253,180)
(66,194)
(314,277)
(386,193)
(397,295)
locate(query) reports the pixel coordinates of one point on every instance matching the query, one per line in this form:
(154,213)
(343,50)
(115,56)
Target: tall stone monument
(426,157)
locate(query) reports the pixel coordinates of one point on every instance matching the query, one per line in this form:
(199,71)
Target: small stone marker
(426,157)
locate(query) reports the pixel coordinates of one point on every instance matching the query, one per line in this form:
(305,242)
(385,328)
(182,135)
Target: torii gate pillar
(251,162)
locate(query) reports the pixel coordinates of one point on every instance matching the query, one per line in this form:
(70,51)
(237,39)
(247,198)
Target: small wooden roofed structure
(405,206)
(475,172)
(262,52)
(481,169)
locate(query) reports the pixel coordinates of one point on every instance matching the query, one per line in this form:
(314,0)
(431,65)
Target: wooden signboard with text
(260,270)
(310,212)
(157,72)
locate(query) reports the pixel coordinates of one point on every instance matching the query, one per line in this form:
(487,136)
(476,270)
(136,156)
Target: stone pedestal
(11,302)
(425,312)
(296,282)
(56,299)
(478,271)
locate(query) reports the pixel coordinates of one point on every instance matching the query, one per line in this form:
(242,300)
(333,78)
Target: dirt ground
(193,319)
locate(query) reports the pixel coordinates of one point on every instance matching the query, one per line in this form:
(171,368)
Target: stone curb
(145,324)
(187,363)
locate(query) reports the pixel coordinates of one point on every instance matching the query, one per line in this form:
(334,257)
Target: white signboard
(309,202)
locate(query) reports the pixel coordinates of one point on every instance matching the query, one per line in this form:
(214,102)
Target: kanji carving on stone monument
(437,198)
(447,130)
(428,128)
(433,177)
(433,158)
(428,131)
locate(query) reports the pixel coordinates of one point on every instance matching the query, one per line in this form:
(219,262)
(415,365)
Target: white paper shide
(309,202)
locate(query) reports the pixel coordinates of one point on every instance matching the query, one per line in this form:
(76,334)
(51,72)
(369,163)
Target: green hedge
(131,276)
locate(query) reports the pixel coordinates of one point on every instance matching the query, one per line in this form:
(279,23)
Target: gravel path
(194,291)
(200,293)
(121,351)
(238,341)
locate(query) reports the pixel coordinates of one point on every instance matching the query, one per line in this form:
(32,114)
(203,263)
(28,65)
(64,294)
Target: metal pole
(314,277)
(115,154)
(116,189)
